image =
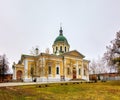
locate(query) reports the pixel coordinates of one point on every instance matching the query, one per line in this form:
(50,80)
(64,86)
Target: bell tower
(60,44)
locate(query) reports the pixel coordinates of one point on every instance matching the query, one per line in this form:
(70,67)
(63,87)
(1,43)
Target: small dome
(61,38)
(60,44)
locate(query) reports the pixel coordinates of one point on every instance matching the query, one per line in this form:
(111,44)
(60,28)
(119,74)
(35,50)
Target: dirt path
(23,83)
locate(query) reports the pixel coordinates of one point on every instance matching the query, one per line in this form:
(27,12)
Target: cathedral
(61,65)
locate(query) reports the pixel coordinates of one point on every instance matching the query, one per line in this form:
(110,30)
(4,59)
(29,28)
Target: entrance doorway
(19,75)
(74,73)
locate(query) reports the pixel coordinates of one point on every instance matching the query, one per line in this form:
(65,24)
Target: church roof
(74,53)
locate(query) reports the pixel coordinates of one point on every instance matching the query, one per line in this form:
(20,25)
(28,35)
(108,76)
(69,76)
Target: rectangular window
(68,71)
(57,70)
(79,71)
(84,72)
(60,48)
(49,70)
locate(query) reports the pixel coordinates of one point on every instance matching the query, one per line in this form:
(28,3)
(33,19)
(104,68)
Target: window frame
(49,70)
(57,70)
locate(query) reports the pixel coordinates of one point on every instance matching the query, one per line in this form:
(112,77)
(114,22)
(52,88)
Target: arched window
(65,49)
(56,48)
(49,70)
(19,75)
(57,70)
(79,71)
(84,72)
(60,48)
(68,71)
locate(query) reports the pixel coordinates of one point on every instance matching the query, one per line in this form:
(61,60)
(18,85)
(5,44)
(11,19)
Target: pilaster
(64,69)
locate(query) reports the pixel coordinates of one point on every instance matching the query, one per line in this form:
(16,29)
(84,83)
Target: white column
(77,69)
(26,68)
(88,72)
(14,73)
(82,70)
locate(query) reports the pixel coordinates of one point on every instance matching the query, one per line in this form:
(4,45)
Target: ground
(63,91)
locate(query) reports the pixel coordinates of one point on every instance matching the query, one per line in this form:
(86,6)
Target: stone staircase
(80,80)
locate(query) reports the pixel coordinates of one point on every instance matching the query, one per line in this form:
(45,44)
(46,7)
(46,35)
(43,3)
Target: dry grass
(68,91)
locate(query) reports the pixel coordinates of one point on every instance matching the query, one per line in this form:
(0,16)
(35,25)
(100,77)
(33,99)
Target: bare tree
(35,51)
(112,55)
(3,65)
(92,67)
(47,51)
(97,67)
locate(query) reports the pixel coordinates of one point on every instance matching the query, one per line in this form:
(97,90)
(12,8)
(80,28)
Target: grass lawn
(65,91)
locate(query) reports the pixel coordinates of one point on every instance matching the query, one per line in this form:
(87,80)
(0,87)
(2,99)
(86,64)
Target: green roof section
(61,38)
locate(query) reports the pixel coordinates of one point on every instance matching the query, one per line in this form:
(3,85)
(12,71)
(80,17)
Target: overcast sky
(88,25)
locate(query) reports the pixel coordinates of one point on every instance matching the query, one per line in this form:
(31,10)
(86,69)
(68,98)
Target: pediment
(74,53)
